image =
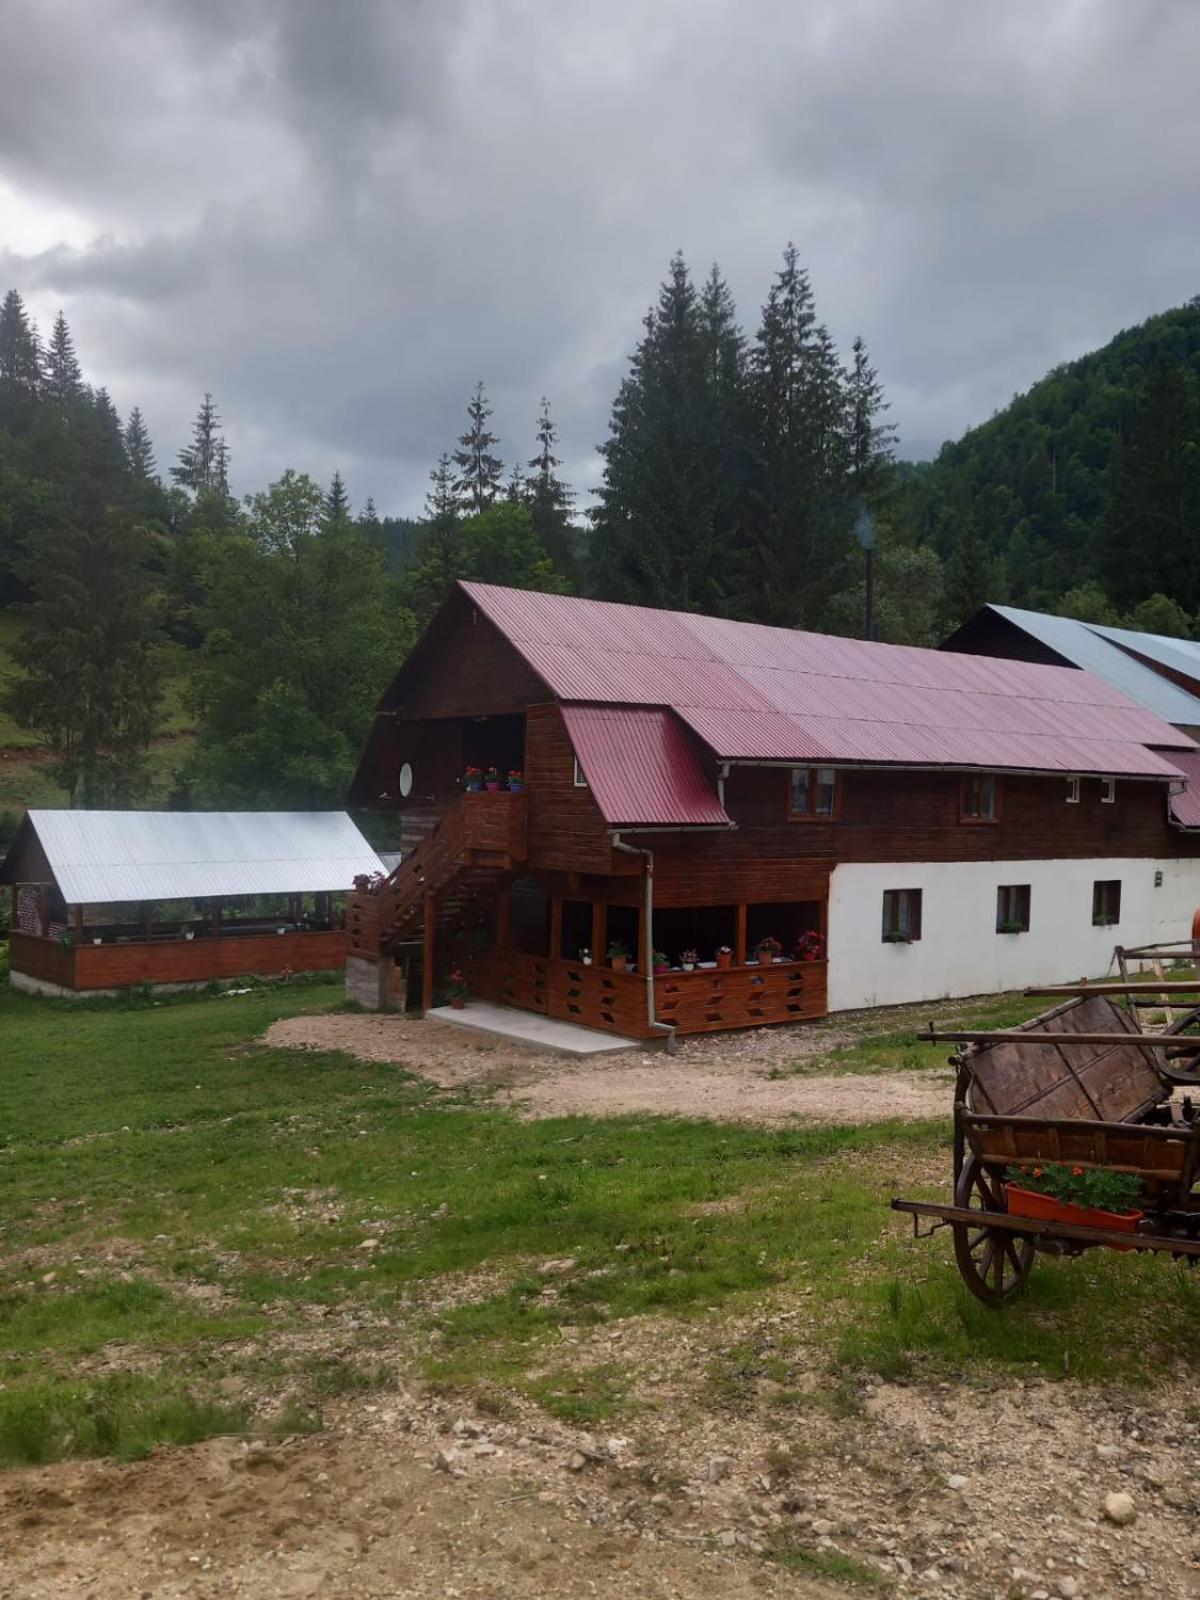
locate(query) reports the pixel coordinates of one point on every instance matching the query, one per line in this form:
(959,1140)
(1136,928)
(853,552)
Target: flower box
(1045,1208)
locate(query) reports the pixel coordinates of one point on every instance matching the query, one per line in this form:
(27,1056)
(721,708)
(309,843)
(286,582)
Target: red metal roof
(642,768)
(1185,807)
(754,693)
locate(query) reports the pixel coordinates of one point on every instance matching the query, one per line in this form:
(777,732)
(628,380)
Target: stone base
(376,985)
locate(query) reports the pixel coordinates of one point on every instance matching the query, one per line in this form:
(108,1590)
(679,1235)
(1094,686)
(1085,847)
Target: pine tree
(139,451)
(64,381)
(20,364)
(204,464)
(479,471)
(516,490)
(337,501)
(368,517)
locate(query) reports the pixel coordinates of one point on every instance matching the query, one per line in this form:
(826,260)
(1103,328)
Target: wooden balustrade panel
(615,1002)
(741,997)
(44,959)
(118,966)
(494,822)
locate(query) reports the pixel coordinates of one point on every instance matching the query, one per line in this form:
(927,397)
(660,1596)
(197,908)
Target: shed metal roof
(642,768)
(100,857)
(1106,653)
(775,694)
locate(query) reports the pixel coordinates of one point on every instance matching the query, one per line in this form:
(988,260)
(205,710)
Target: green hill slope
(1033,481)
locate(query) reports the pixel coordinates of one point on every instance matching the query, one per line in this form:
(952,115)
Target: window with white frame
(1073,790)
(1108,791)
(579,780)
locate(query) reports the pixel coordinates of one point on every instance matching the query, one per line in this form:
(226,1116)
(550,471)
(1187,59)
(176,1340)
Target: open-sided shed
(105,900)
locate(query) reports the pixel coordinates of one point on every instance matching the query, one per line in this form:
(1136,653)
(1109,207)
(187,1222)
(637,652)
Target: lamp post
(864,532)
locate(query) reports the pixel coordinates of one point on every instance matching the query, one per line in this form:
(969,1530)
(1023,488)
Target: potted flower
(456,988)
(661,961)
(766,950)
(516,782)
(1091,1197)
(473,779)
(491,780)
(618,956)
(723,955)
(688,960)
(810,946)
(585,955)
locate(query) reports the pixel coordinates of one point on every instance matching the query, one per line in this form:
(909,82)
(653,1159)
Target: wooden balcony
(704,1001)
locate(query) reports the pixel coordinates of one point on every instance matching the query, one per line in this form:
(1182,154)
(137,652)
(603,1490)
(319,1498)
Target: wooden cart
(1089,1083)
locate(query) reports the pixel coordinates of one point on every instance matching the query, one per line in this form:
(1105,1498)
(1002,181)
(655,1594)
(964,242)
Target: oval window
(406,781)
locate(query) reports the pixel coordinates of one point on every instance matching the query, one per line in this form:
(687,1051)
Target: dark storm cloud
(338,217)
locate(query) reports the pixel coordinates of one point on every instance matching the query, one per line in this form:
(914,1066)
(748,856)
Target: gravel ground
(727,1078)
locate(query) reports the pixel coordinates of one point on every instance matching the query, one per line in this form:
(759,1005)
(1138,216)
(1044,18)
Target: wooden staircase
(477,843)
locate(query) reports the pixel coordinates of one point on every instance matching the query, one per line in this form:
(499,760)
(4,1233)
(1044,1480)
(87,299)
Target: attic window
(578,778)
(1108,791)
(813,792)
(1073,790)
(979,797)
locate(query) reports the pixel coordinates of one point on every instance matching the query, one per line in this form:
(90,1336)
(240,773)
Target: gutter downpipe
(648,880)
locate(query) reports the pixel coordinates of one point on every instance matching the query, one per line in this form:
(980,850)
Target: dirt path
(725,1079)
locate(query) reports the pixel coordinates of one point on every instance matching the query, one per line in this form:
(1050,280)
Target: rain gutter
(648,881)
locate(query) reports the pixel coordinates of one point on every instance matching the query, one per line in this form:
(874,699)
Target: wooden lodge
(647,821)
(109,900)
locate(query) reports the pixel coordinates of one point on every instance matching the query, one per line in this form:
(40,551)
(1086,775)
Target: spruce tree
(803,513)
(20,364)
(516,490)
(659,538)
(337,501)
(64,381)
(91,682)
(204,463)
(869,440)
(139,451)
(550,498)
(969,577)
(479,470)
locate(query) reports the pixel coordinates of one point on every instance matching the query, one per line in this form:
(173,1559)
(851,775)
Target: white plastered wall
(961,953)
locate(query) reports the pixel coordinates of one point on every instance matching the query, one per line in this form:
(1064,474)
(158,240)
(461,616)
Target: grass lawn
(179,1205)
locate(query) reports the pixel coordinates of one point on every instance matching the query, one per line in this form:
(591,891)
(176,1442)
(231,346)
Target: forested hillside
(164,642)
(1087,486)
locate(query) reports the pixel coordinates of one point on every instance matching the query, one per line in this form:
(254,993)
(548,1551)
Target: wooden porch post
(644,954)
(739,938)
(79,922)
(430,941)
(599,931)
(555,928)
(216,919)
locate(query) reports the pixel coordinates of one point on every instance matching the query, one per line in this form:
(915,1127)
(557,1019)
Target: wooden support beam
(1142,1041)
(644,953)
(430,944)
(555,928)
(79,921)
(1169,987)
(599,931)
(739,937)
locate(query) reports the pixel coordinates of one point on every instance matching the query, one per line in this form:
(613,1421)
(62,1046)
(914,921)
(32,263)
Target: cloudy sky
(336,215)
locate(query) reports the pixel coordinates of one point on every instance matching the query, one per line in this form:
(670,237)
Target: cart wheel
(994,1263)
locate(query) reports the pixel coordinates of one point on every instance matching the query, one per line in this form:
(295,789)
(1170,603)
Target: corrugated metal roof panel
(1104,652)
(99,857)
(1185,807)
(642,768)
(772,694)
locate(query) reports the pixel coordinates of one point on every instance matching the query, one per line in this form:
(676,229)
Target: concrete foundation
(531,1029)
